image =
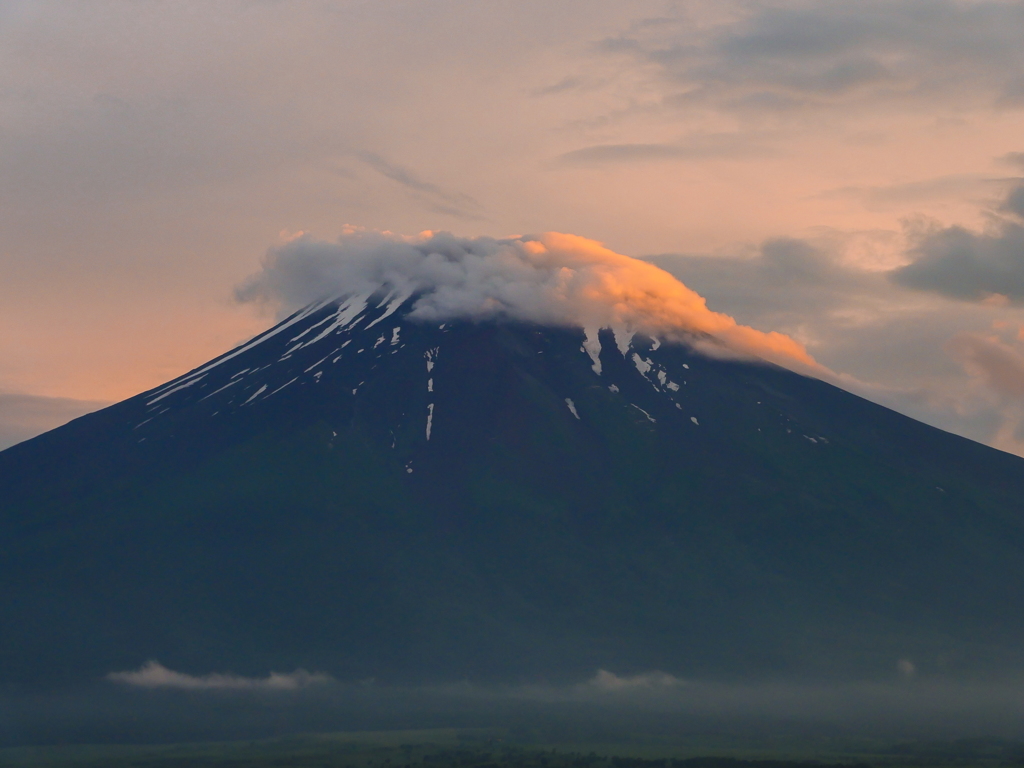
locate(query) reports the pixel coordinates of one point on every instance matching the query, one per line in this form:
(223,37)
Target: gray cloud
(999,366)
(25,416)
(998,370)
(942,187)
(568,83)
(1014,202)
(454,204)
(692,148)
(782,56)
(1013,158)
(856,319)
(974,266)
(786,281)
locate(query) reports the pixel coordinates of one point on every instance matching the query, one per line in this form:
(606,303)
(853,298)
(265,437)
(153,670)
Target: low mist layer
(608,708)
(153,674)
(550,279)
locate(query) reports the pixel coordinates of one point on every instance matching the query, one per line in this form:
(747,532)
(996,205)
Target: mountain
(363,494)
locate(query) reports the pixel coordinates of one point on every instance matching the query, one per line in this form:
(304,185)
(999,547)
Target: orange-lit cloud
(605,288)
(553,278)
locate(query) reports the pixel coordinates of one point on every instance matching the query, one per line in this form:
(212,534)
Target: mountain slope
(363,494)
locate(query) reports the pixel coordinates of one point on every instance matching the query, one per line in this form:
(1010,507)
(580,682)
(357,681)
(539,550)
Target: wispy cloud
(817,54)
(153,674)
(693,148)
(998,365)
(952,186)
(997,370)
(1013,158)
(568,83)
(436,199)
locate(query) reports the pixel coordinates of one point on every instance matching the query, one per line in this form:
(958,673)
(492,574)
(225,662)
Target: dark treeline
(340,752)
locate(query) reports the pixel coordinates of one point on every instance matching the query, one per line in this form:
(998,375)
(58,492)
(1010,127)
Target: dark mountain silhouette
(361,494)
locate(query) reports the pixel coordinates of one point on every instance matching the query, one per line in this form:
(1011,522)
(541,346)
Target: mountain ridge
(358,493)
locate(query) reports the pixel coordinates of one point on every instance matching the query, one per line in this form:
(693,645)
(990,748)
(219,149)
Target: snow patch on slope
(592,346)
(256,394)
(191,378)
(641,365)
(572,407)
(220,389)
(645,413)
(176,389)
(398,298)
(623,339)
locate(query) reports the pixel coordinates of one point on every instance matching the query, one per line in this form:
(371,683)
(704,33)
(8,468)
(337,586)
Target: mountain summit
(369,494)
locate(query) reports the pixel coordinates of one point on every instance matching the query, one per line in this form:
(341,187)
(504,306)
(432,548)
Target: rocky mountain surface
(358,493)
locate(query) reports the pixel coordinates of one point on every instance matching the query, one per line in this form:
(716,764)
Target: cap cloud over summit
(552,279)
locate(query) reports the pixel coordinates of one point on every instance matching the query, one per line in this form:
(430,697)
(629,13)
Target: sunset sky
(850,174)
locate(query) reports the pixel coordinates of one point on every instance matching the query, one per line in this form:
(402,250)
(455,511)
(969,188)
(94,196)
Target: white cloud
(552,279)
(609,681)
(153,674)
